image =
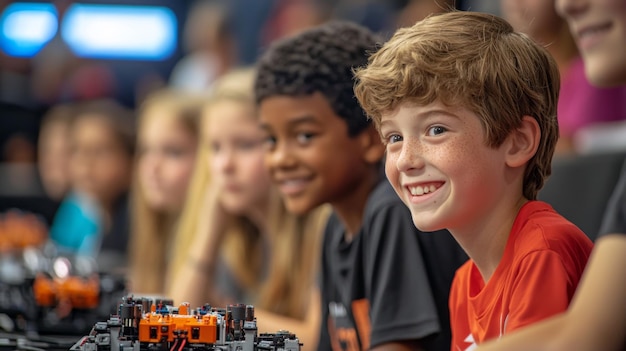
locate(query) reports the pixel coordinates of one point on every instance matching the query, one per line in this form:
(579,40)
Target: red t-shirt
(542,263)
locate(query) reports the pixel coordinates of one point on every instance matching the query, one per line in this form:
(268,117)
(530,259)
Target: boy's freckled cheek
(454,153)
(390,161)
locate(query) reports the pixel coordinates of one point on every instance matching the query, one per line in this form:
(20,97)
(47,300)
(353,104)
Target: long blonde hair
(294,240)
(152,230)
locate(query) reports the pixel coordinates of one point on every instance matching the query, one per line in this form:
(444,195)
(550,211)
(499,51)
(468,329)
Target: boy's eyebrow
(437,111)
(294,121)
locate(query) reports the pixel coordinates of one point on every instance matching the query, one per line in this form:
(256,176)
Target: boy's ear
(371,145)
(523,142)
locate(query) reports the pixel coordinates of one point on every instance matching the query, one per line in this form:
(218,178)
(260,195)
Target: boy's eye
(304,138)
(436,130)
(269,142)
(394,138)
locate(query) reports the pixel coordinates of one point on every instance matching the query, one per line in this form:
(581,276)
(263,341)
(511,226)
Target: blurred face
(236,157)
(310,155)
(54,158)
(537,18)
(599,28)
(167,151)
(100,165)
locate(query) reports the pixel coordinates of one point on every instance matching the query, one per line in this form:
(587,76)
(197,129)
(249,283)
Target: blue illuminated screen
(125,32)
(25,28)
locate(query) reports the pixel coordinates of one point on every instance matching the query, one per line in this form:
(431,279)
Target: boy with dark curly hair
(467,108)
(384,284)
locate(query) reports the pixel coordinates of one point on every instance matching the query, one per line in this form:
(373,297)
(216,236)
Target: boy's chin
(425,225)
(299,206)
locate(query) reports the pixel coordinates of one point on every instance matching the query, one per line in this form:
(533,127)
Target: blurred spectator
(289,17)
(248,18)
(20,186)
(59,75)
(167,141)
(93,218)
(377,15)
(18,135)
(15,80)
(51,66)
(581,105)
(209,44)
(417,10)
(54,150)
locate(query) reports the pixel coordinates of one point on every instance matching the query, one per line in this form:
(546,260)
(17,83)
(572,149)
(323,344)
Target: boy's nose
(409,158)
(280,157)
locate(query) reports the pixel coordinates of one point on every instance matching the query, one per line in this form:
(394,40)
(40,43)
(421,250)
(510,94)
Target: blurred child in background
(54,151)
(580,105)
(93,218)
(209,47)
(166,153)
(246,247)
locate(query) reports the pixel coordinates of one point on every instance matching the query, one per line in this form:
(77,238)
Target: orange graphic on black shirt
(347,339)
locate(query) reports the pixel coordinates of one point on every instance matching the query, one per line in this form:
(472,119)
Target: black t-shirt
(614,220)
(390,283)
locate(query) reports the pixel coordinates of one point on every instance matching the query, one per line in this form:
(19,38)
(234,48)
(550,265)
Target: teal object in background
(77,226)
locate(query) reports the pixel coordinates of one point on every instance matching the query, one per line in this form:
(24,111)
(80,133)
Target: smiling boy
(467,110)
(384,283)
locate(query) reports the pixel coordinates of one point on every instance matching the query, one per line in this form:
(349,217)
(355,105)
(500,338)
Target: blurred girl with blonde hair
(246,247)
(166,153)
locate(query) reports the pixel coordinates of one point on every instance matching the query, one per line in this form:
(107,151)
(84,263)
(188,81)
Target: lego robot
(166,328)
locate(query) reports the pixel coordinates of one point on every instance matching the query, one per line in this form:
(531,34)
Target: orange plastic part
(154,328)
(44,290)
(81,293)
(21,230)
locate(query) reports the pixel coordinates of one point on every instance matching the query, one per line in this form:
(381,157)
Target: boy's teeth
(416,190)
(419,190)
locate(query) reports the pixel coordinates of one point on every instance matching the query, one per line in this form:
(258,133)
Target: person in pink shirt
(581,104)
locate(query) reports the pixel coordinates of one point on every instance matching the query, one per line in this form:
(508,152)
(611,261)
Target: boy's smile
(310,156)
(420,191)
(440,165)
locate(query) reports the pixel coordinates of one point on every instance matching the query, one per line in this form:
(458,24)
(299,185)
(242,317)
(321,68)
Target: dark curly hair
(321,60)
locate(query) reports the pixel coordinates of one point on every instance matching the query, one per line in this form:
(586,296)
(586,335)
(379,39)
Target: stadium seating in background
(580,187)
